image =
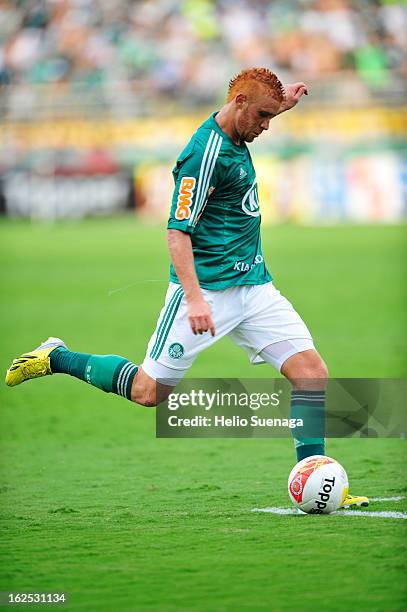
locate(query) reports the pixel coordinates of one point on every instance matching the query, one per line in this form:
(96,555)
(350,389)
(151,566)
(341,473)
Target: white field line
(371,514)
(279,510)
(385,499)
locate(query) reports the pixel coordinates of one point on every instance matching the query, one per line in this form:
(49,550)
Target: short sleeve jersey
(216,201)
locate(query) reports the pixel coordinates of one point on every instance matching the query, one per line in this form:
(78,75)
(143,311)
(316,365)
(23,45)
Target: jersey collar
(215,126)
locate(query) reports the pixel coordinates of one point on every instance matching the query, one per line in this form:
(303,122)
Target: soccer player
(219,282)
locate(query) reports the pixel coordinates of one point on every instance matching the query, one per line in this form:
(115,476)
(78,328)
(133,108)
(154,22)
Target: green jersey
(216,202)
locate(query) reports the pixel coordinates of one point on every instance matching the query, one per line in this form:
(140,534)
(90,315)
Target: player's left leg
(273,332)
(308,375)
(300,363)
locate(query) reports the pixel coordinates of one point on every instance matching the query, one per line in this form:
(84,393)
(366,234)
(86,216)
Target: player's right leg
(110,373)
(171,351)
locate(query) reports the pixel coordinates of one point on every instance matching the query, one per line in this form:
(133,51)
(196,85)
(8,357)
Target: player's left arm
(292,95)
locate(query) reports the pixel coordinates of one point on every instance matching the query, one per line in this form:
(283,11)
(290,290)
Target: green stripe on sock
(129,383)
(308,403)
(100,370)
(123,378)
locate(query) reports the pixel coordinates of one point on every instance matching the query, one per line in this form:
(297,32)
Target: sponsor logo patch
(242,266)
(184,202)
(250,202)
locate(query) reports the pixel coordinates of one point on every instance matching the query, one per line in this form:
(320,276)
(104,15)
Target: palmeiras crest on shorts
(176,350)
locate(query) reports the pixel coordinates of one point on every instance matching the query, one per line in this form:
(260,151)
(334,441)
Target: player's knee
(306,366)
(318,370)
(315,370)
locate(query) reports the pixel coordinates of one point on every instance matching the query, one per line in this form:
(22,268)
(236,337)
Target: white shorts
(256,317)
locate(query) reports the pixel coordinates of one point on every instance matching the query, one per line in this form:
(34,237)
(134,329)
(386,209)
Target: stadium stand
(87,57)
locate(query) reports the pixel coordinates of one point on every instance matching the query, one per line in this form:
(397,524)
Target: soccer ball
(318,485)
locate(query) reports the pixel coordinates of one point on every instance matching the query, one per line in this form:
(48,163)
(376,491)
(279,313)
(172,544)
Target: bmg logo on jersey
(184,202)
(250,202)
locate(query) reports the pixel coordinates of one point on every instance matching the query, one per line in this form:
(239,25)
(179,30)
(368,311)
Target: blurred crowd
(133,57)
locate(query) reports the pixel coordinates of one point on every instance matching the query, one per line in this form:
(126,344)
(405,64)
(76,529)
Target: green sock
(309,406)
(110,373)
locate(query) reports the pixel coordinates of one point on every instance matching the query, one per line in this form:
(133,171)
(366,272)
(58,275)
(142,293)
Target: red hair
(254,82)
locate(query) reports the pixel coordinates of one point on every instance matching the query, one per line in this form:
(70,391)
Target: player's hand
(293,93)
(200,317)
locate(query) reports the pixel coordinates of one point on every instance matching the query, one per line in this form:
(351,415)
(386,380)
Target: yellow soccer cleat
(355,500)
(33,364)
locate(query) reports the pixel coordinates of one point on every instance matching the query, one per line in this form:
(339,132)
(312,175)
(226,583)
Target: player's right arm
(193,174)
(182,257)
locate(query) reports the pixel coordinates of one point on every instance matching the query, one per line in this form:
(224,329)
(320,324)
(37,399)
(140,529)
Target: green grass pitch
(94,505)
